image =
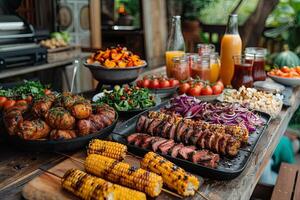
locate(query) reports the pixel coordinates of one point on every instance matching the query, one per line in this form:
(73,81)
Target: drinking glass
(242,72)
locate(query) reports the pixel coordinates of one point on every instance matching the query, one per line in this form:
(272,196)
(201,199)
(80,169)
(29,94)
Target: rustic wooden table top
(17,168)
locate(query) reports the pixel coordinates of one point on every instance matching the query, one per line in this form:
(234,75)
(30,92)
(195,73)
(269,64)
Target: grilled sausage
(33,130)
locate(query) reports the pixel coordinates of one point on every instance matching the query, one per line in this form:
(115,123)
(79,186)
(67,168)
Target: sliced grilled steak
(157,143)
(165,147)
(140,124)
(184,152)
(166,129)
(146,125)
(200,156)
(188,135)
(195,136)
(158,129)
(140,139)
(233,146)
(175,150)
(131,138)
(223,144)
(153,125)
(172,131)
(147,142)
(181,128)
(201,140)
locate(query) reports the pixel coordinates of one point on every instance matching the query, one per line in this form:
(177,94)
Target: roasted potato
(60,118)
(81,110)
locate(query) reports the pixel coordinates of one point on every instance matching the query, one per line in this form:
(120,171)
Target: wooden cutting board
(48,187)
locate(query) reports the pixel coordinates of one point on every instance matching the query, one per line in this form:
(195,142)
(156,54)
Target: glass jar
(214,67)
(259,56)
(201,68)
(175,44)
(181,69)
(242,72)
(205,49)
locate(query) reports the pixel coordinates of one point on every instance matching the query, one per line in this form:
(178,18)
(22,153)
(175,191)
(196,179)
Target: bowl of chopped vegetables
(127,99)
(115,65)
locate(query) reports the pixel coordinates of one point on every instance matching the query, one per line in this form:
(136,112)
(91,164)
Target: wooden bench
(288,183)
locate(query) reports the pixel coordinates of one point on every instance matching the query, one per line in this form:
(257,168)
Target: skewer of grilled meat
(237,131)
(176,150)
(183,132)
(43,105)
(104,116)
(33,129)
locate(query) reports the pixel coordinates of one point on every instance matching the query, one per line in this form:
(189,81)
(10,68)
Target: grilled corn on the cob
(124,174)
(173,176)
(88,187)
(106,148)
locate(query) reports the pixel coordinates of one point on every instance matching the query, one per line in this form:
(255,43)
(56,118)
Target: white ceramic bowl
(286,81)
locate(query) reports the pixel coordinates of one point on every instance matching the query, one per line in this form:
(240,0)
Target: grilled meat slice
(188,135)
(238,132)
(215,143)
(156,144)
(33,130)
(195,136)
(107,111)
(181,128)
(223,144)
(153,125)
(139,140)
(158,129)
(91,125)
(201,140)
(176,149)
(147,142)
(184,152)
(62,134)
(140,124)
(200,156)
(233,146)
(131,138)
(172,132)
(166,130)
(165,147)
(146,125)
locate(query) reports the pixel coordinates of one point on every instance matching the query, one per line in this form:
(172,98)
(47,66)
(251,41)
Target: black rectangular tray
(228,168)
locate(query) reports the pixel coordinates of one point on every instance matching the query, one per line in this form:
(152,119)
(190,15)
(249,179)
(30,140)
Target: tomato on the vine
(9,103)
(154,84)
(164,83)
(217,89)
(139,83)
(184,87)
(173,82)
(195,91)
(220,83)
(206,90)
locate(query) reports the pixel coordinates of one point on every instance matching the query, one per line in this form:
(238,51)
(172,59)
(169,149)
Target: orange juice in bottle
(175,44)
(214,67)
(231,45)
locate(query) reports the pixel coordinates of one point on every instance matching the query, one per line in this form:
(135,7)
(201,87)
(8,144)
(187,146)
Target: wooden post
(95,27)
(155,27)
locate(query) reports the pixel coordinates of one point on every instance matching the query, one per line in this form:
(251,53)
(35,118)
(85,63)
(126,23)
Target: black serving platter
(59,145)
(228,168)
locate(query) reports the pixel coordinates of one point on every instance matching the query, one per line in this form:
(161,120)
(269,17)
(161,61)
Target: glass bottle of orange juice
(231,45)
(175,44)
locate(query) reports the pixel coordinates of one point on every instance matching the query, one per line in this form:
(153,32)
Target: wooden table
(18,168)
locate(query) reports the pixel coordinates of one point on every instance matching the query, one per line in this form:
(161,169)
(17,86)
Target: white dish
(286,81)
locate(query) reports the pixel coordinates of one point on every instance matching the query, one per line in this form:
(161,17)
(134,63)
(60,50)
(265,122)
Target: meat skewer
(176,150)
(184,132)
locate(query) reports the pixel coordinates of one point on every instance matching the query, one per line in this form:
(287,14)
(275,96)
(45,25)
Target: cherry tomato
(195,91)
(29,99)
(139,83)
(146,83)
(285,69)
(9,103)
(164,84)
(2,101)
(183,88)
(47,91)
(206,90)
(217,89)
(173,82)
(220,83)
(154,84)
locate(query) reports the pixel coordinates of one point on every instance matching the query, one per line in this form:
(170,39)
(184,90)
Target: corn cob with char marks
(106,148)
(173,176)
(124,174)
(88,187)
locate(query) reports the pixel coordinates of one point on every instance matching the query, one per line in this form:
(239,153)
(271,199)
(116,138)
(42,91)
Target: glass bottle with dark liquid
(242,72)
(257,54)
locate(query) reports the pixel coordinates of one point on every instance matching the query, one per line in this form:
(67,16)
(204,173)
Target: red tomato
(154,84)
(285,69)
(146,83)
(195,91)
(139,83)
(184,87)
(47,91)
(173,82)
(29,99)
(164,84)
(9,103)
(217,89)
(2,101)
(206,90)
(220,83)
